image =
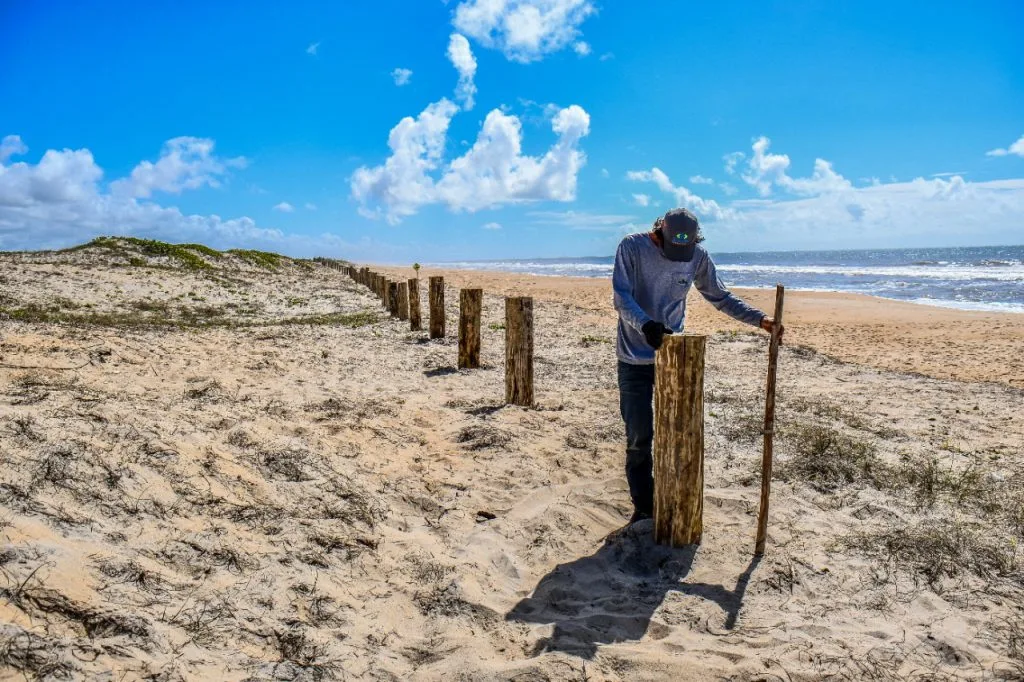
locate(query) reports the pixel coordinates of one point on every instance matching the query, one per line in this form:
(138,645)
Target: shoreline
(970,306)
(887,334)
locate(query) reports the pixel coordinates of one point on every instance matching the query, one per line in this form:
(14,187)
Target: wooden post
(437,307)
(470,306)
(769,424)
(393,298)
(679,440)
(519,351)
(415,323)
(403,301)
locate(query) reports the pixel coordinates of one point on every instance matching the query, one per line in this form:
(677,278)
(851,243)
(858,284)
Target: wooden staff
(769,423)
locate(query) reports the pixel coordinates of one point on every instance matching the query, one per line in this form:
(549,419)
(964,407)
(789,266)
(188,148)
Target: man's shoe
(640,516)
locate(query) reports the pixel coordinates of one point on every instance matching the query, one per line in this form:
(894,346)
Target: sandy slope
(303,502)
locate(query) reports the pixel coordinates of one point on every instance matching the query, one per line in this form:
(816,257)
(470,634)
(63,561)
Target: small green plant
(495,326)
(185,255)
(262,259)
(587,341)
(828,459)
(416,267)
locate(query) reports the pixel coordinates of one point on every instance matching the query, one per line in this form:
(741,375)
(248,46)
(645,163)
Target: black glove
(653,332)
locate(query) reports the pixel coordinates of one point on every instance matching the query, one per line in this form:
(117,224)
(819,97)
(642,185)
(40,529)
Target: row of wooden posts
(678,450)
(402,300)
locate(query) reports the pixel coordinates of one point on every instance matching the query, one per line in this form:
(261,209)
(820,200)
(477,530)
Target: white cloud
(310,206)
(184,163)
(313,47)
(461,57)
(729,189)
(731,160)
(707,209)
(524,30)
(10,146)
(766,170)
(701,180)
(1017,149)
(61,200)
(401,76)
(492,226)
(919,212)
(606,56)
(605,173)
(493,172)
(284,207)
(581,47)
(582,220)
(642,199)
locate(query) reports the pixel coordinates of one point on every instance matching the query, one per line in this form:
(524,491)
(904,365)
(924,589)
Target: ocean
(969,278)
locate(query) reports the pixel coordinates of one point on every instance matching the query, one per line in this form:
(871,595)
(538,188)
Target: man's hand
(768,324)
(653,332)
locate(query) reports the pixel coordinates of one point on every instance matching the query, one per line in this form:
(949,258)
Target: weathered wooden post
(679,440)
(470,307)
(403,300)
(437,307)
(519,351)
(393,298)
(415,323)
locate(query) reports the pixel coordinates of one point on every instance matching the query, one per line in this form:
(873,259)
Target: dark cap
(679,231)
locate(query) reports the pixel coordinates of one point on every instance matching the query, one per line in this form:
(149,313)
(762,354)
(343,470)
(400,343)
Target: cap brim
(680,252)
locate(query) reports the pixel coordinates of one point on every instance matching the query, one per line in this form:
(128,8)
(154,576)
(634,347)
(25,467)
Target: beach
(894,335)
(248,471)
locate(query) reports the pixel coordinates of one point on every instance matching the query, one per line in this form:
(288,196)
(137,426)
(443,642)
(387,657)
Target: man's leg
(636,392)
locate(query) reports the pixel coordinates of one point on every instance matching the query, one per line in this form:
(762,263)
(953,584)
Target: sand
(230,497)
(904,337)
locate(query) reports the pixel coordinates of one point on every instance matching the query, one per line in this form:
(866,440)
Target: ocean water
(970,278)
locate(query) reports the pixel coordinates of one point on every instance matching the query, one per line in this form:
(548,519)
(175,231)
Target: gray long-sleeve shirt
(648,286)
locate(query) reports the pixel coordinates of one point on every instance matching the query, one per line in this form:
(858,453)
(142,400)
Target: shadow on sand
(611,595)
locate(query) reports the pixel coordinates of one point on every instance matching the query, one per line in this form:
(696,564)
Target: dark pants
(636,396)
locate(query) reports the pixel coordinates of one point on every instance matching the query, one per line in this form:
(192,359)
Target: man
(653,274)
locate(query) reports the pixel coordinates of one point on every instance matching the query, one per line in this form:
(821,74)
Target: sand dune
(251,473)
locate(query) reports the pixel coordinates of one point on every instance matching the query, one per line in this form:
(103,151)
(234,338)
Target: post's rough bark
(403,300)
(679,440)
(437,307)
(415,323)
(470,307)
(519,351)
(393,298)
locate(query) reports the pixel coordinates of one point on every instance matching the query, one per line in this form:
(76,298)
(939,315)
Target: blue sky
(521,127)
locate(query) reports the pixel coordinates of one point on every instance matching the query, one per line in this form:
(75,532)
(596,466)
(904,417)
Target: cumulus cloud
(825,210)
(61,200)
(642,199)
(731,160)
(920,211)
(767,170)
(461,57)
(524,30)
(493,172)
(581,47)
(284,207)
(707,209)
(10,146)
(184,163)
(700,180)
(401,76)
(1017,149)
(492,226)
